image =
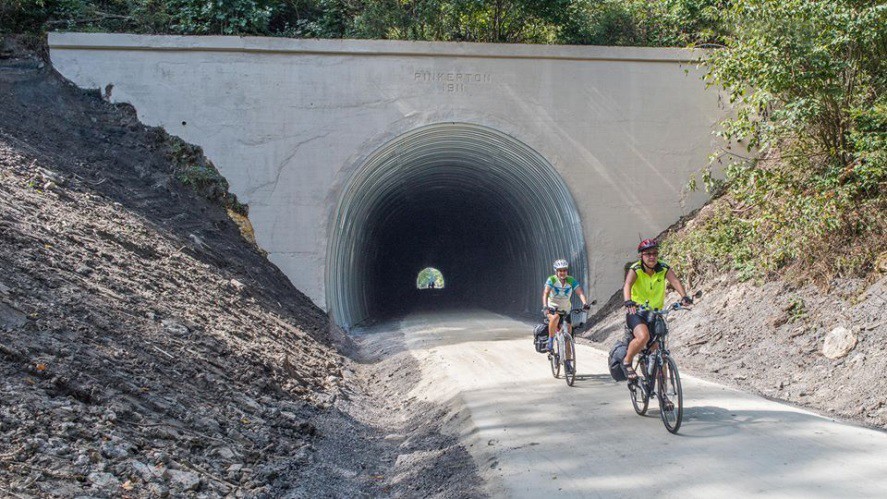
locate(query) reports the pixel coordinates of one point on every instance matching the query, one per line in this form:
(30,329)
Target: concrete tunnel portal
(482,207)
(363,163)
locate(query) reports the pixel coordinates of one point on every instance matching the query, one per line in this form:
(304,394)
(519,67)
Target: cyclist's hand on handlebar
(586,306)
(687,302)
(631,306)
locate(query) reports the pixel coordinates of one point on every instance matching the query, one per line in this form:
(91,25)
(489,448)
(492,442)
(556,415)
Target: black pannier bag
(617,355)
(540,337)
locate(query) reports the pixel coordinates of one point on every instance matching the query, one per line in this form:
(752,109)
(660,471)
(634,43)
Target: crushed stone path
(533,436)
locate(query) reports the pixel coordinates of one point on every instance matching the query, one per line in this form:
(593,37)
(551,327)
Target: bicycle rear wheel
(671,396)
(555,360)
(640,398)
(569,365)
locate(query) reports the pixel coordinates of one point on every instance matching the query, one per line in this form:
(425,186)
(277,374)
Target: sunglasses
(651,253)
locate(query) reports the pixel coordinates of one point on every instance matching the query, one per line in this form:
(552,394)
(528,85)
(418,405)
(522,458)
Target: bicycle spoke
(569,365)
(671,397)
(554,360)
(640,398)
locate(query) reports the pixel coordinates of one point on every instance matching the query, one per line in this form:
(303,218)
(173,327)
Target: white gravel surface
(533,436)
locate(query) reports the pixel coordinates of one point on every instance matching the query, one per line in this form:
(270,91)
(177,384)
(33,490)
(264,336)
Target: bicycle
(563,342)
(658,372)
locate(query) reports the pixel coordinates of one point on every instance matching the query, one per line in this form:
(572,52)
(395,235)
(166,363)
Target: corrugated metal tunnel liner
(482,207)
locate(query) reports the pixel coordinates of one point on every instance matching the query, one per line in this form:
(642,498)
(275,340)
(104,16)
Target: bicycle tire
(670,387)
(640,398)
(569,365)
(554,360)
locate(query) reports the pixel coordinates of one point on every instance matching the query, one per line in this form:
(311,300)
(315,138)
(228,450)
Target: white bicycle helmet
(561,264)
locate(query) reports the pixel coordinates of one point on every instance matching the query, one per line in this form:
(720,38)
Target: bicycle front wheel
(569,360)
(640,398)
(671,396)
(555,360)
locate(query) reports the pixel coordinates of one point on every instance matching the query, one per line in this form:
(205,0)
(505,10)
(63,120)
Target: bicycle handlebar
(670,308)
(573,311)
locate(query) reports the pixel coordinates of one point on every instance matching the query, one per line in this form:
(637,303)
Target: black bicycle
(658,372)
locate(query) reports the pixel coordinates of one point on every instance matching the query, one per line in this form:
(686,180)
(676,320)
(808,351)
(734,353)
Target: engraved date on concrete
(451,81)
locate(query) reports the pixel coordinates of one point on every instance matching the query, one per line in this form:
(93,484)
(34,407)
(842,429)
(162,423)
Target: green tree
(801,69)
(807,82)
(219,17)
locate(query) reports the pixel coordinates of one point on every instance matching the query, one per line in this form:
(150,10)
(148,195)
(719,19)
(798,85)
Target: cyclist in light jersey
(556,296)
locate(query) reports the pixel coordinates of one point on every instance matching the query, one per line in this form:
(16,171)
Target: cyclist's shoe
(629,372)
(667,404)
(568,367)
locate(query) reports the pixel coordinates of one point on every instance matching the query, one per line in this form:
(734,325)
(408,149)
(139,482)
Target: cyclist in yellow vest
(645,286)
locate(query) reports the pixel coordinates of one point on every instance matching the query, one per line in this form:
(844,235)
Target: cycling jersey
(560,294)
(649,289)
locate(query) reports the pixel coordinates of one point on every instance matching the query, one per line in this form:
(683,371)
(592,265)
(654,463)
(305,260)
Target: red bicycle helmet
(647,244)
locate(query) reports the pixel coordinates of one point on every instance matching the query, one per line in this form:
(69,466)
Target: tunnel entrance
(487,209)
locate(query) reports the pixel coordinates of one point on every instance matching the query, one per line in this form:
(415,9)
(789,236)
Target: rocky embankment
(823,350)
(148,350)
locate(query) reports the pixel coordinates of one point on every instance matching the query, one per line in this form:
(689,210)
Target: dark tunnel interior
(481,207)
(464,234)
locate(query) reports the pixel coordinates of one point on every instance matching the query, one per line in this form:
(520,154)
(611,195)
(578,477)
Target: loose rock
(838,343)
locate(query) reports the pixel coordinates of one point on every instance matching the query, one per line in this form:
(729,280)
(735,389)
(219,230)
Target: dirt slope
(148,350)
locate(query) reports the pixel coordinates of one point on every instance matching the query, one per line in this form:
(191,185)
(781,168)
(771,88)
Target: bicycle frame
(560,338)
(654,353)
(660,373)
(564,354)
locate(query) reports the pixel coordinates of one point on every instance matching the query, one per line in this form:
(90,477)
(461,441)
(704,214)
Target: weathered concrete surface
(288,122)
(533,436)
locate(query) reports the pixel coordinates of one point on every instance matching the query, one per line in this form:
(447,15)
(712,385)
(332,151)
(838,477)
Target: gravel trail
(533,436)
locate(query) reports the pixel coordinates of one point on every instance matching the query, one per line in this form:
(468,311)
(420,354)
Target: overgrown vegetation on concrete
(194,170)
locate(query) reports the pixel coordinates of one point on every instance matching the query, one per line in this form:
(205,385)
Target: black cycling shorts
(634,320)
(563,316)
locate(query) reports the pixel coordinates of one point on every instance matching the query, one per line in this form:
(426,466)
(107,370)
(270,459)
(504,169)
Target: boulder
(183,480)
(838,343)
(103,480)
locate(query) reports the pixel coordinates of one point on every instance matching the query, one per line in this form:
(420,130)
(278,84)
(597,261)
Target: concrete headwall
(288,122)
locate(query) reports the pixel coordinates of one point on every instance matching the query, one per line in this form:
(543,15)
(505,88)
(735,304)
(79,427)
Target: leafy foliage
(637,23)
(223,17)
(807,79)
(609,22)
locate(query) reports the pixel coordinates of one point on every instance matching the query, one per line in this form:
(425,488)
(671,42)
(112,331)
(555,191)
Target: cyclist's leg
(641,336)
(641,333)
(552,328)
